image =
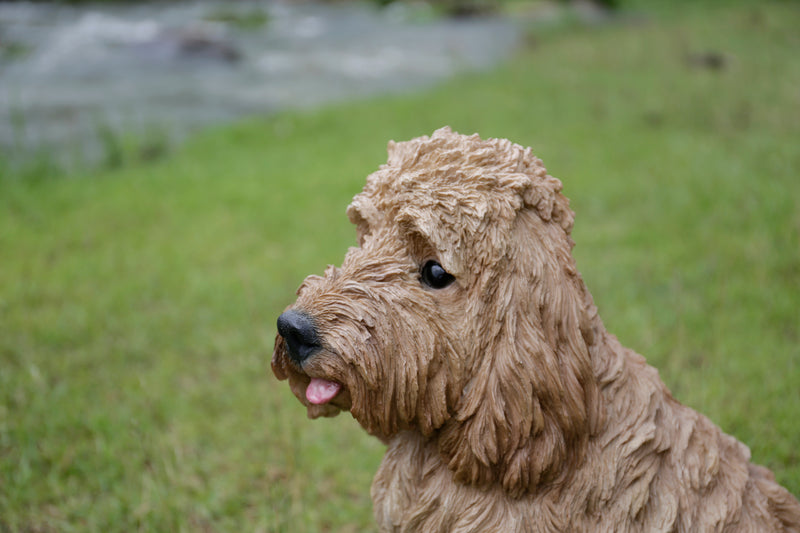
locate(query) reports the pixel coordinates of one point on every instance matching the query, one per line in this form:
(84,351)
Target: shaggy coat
(461,334)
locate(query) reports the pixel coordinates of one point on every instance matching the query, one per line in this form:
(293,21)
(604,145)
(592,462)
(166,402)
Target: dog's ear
(532,400)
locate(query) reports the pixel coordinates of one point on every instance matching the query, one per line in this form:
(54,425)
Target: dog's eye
(436,277)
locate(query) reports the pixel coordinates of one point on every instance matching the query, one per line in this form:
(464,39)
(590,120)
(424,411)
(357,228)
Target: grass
(137,306)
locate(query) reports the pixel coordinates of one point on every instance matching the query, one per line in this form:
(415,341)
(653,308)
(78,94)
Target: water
(71,75)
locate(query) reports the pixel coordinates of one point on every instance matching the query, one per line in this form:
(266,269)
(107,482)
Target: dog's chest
(414,490)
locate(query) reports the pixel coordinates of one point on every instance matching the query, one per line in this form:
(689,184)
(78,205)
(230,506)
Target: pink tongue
(322,391)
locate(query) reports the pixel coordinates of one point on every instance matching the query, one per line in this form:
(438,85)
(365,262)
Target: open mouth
(323,397)
(321,391)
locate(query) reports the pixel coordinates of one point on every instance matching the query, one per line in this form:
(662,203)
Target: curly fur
(505,404)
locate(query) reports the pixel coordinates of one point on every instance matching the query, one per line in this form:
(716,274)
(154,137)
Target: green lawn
(138,306)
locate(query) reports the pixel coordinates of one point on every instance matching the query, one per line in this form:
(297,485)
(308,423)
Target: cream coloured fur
(505,404)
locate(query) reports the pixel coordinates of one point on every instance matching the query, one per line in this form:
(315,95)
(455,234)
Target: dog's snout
(300,334)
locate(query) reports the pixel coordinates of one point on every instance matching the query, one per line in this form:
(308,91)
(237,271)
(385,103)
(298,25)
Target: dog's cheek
(378,410)
(278,363)
(367,420)
(434,408)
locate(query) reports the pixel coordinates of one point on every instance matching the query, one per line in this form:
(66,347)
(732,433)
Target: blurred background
(171,171)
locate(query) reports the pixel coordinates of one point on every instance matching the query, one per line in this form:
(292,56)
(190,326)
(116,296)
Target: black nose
(300,334)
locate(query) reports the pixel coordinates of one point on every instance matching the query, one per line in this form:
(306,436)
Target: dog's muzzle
(300,334)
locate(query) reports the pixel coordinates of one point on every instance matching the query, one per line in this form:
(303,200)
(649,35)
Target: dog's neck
(614,370)
(414,476)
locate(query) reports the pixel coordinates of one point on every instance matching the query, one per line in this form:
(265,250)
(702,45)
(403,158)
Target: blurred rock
(708,60)
(197,42)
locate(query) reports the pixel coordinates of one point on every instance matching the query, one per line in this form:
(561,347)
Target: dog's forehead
(437,202)
(458,177)
(454,191)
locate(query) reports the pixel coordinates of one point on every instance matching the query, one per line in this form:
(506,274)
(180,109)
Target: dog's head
(460,315)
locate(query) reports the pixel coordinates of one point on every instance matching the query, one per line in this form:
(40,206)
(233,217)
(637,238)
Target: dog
(461,334)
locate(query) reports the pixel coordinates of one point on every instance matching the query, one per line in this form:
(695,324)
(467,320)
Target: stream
(71,76)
